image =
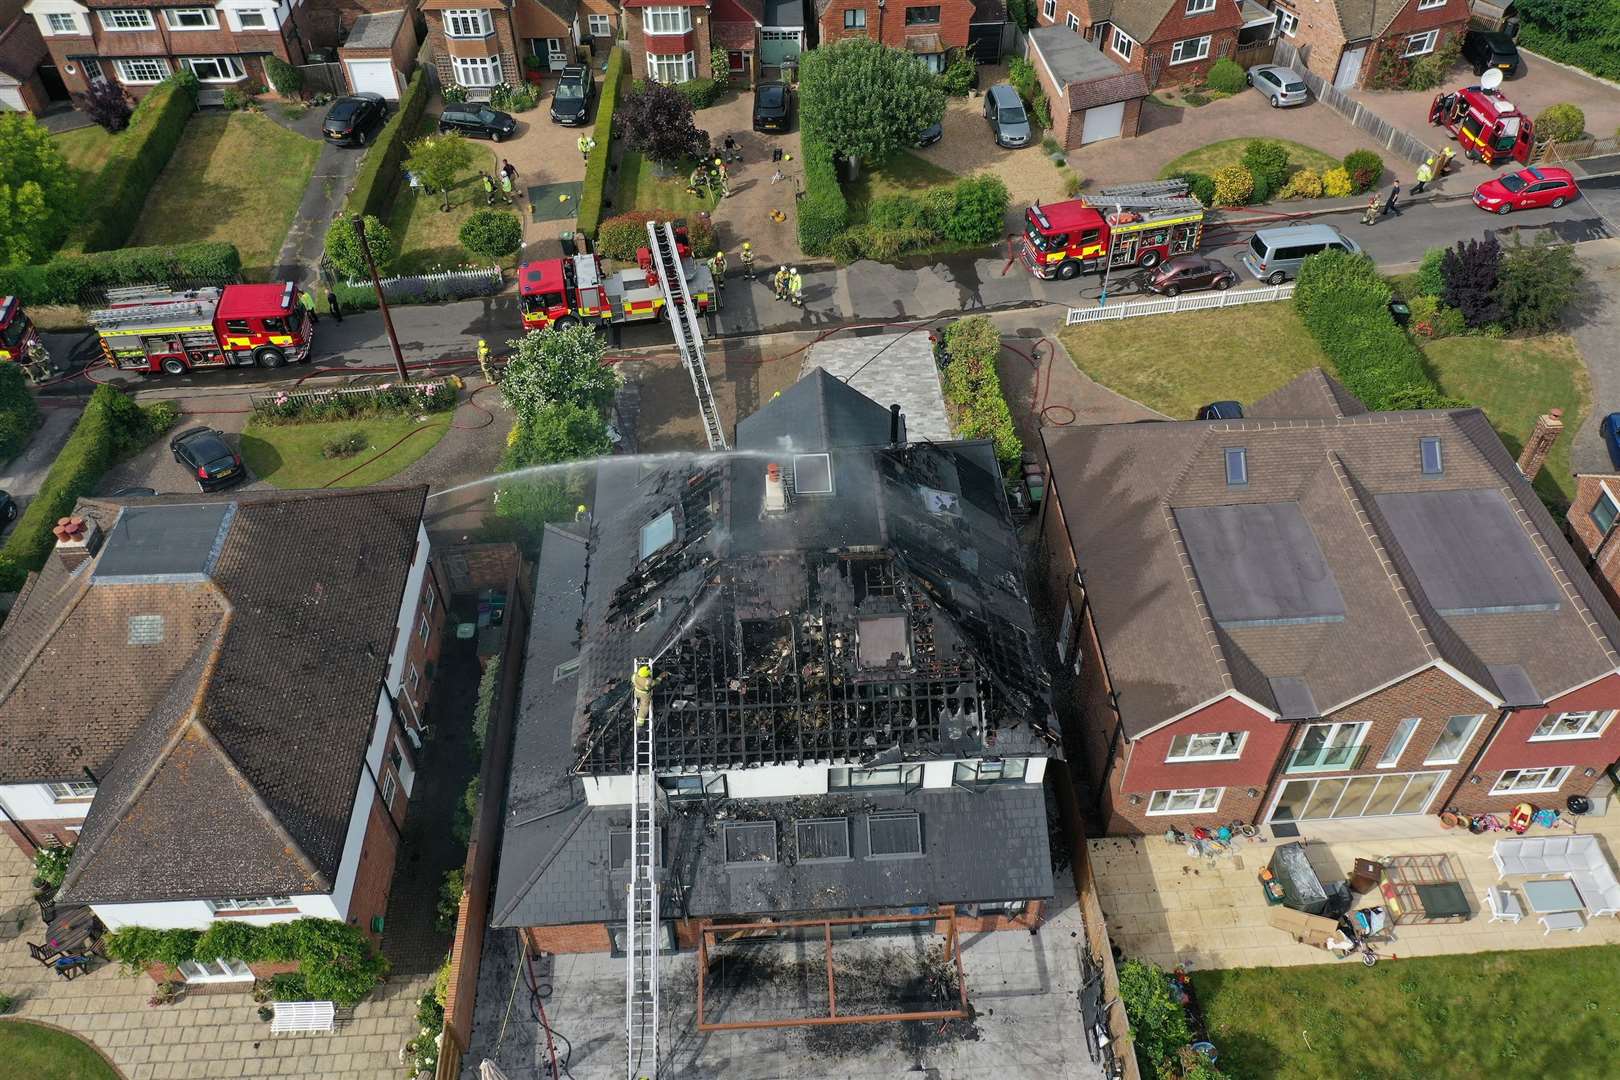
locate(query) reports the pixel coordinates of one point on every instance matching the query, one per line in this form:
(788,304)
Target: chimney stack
(775,492)
(894,424)
(1549,426)
(77,541)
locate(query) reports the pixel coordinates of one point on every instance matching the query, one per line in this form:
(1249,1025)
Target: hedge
(620,237)
(138,155)
(701,92)
(596,169)
(379,176)
(19,412)
(1598,55)
(824,211)
(64,279)
(973,388)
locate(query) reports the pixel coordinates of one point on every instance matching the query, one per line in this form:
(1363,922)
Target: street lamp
(359,224)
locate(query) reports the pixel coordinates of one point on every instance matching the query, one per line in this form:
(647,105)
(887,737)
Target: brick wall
(1449,21)
(889,23)
(30,835)
(503,43)
(1221,24)
(247,46)
(422,657)
(378,851)
(1318,36)
(572,938)
(1602,560)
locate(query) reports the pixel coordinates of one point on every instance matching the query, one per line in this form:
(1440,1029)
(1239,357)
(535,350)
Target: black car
(477,121)
(931,134)
(1485,50)
(1221,410)
(8,509)
(206,453)
(571,104)
(351,121)
(773,106)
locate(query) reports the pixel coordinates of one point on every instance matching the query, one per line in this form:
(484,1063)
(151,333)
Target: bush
(156,126)
(1041,110)
(1072,182)
(108,104)
(1536,284)
(1470,271)
(491,233)
(335,960)
(1159,1027)
(1598,53)
(1021,74)
(620,236)
(343,248)
(824,211)
(979,211)
(972,388)
(449,909)
(378,179)
(393,399)
(19,412)
(1233,186)
(287,80)
(1364,169)
(489,691)
(1428,72)
(1430,280)
(1227,76)
(236,100)
(466,811)
(700,93)
(51,865)
(960,74)
(593,194)
(288,986)
(1304,184)
(344,446)
(1562,122)
(1336,183)
(720,65)
(64,279)
(1267,162)
(1201,186)
(513,99)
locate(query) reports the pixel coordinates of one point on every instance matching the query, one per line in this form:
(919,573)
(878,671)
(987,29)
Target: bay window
(214,68)
(467,23)
(672,69)
(667,20)
(476,70)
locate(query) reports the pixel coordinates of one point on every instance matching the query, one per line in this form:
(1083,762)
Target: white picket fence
(483,277)
(1169,305)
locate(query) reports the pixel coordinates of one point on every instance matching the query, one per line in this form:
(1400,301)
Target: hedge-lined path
(22,475)
(300,255)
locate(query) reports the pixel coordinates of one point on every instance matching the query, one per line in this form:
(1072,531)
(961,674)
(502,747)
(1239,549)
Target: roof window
(812,474)
(883,639)
(658,534)
(1429,453)
(822,839)
(1237,466)
(751,842)
(895,835)
(145,629)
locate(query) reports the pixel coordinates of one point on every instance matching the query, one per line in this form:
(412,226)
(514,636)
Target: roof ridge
(1190,575)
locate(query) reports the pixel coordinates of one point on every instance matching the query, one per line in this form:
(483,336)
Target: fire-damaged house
(849,715)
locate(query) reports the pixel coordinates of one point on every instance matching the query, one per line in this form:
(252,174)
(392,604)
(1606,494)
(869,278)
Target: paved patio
(1209,912)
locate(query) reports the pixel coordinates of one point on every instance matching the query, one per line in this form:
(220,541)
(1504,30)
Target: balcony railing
(1325,758)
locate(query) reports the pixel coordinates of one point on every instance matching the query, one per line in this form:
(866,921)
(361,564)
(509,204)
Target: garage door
(11,98)
(376,76)
(1102,122)
(776,46)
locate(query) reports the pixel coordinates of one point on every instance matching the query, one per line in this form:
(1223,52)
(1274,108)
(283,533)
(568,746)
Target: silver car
(1281,85)
(1005,111)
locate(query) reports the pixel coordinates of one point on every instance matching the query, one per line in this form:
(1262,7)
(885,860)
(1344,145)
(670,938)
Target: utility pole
(359,224)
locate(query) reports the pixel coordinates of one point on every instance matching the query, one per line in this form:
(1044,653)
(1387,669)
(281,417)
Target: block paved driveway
(204,1035)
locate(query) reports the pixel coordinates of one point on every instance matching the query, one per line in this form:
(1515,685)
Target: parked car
(1282,86)
(477,121)
(205,452)
(1221,410)
(931,134)
(1611,437)
(1275,255)
(571,102)
(1005,111)
(773,106)
(1187,273)
(8,509)
(1526,189)
(351,121)
(1486,49)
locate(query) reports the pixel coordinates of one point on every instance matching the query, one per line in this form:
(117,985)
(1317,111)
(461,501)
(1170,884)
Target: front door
(1349,68)
(556,56)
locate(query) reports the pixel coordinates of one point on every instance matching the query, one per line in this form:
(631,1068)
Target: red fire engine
(564,292)
(18,338)
(145,329)
(1486,125)
(1129,225)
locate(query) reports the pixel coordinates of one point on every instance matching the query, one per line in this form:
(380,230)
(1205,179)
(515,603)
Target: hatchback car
(1221,410)
(1282,86)
(1611,437)
(571,102)
(1485,50)
(931,134)
(205,452)
(1527,189)
(1188,273)
(477,121)
(773,106)
(8,509)
(1004,109)
(353,120)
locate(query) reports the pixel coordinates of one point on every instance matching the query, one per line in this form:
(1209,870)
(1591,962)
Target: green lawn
(46,1053)
(429,238)
(236,177)
(1206,159)
(903,174)
(641,189)
(86,150)
(1507,1016)
(289,455)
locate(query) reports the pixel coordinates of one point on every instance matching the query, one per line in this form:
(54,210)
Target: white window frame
(1462,745)
(1049,9)
(1604,496)
(221,63)
(599,25)
(172,16)
(250,903)
(1199,7)
(1200,46)
(1589,724)
(1169,804)
(1398,743)
(1287,22)
(1220,749)
(991,772)
(467,23)
(136,19)
(1122,43)
(672,69)
(1546,778)
(72,791)
(124,70)
(1429,39)
(855,18)
(388,786)
(53,27)
(879,776)
(1430,5)
(477,72)
(666,20)
(93,72)
(424,628)
(266,16)
(1072,21)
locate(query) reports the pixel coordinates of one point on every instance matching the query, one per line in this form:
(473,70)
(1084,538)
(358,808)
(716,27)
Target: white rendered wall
(34,802)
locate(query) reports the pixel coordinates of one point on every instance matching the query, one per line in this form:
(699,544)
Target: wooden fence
(324,79)
(1169,305)
(1387,134)
(1551,153)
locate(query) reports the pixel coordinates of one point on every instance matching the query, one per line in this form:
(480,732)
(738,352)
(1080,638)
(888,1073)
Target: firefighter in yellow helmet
(748,260)
(642,684)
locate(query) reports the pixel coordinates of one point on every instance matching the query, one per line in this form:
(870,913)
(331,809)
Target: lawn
(903,174)
(86,150)
(1507,1016)
(46,1053)
(641,189)
(1206,159)
(236,177)
(289,455)
(429,238)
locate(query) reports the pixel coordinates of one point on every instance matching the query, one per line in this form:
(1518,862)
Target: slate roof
(22,49)
(1314,393)
(1092,76)
(375,30)
(786,13)
(243,721)
(1122,487)
(818,412)
(889,369)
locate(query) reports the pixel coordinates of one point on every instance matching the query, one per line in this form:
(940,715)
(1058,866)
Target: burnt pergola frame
(710,933)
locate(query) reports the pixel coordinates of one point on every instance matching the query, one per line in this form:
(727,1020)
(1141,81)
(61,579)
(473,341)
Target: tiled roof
(22,48)
(1315,393)
(375,30)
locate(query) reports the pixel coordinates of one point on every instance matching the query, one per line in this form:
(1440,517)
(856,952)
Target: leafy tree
(1159,1026)
(1562,122)
(492,233)
(1226,75)
(343,248)
(1267,162)
(557,366)
(37,193)
(866,100)
(524,507)
(107,104)
(658,124)
(1021,12)
(1536,283)
(564,431)
(1471,271)
(439,160)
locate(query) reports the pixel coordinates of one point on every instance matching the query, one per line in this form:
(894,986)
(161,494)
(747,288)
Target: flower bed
(355,402)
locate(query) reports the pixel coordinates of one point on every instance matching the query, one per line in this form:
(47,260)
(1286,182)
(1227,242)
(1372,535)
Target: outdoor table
(71,933)
(1557,894)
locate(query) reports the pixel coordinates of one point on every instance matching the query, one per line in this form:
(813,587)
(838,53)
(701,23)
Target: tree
(562,431)
(492,233)
(866,100)
(107,104)
(1022,13)
(1536,284)
(557,366)
(1267,162)
(438,161)
(1562,122)
(37,193)
(1471,270)
(343,248)
(659,126)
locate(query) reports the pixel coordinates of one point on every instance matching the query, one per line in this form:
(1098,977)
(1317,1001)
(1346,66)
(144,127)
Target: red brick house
(22,52)
(1319,613)
(674,42)
(1592,517)
(930,30)
(1343,41)
(1168,41)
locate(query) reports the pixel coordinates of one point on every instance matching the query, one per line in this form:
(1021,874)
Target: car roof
(1002,91)
(1546,172)
(1305,234)
(1176,262)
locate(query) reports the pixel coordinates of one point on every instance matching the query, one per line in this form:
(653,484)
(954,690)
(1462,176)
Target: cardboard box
(1305,929)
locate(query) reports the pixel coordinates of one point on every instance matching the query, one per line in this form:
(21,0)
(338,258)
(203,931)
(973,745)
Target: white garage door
(11,98)
(376,76)
(1102,122)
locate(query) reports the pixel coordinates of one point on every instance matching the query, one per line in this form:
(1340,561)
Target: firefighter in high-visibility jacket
(642,684)
(717,267)
(779,281)
(748,260)
(796,287)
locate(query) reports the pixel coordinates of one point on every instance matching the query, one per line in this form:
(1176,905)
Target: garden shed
(379,53)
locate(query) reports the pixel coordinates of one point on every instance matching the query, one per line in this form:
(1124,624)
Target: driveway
(542,153)
(745,212)
(1595,326)
(23,474)
(967,147)
(155,467)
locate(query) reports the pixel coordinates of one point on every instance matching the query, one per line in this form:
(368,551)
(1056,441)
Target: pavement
(23,474)
(1595,326)
(300,255)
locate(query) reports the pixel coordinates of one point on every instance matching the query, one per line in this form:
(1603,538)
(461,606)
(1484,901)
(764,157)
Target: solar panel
(751,842)
(822,838)
(1259,564)
(894,835)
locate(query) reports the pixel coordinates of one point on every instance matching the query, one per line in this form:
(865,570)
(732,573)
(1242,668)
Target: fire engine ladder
(1158,195)
(682,315)
(641,906)
(170,312)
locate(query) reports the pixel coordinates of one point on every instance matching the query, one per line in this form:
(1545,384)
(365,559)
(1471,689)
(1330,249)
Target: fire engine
(1486,125)
(146,329)
(18,338)
(564,292)
(1129,225)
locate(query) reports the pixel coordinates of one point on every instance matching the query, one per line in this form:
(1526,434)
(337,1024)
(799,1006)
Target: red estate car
(1526,189)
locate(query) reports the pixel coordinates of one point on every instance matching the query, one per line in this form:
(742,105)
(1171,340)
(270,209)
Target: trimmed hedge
(622,235)
(973,388)
(139,154)
(1598,54)
(596,169)
(379,176)
(700,92)
(824,211)
(19,412)
(64,279)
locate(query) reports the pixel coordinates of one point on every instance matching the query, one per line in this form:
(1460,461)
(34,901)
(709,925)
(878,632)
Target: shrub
(1267,162)
(466,811)
(972,388)
(1336,183)
(288,986)
(1470,271)
(344,446)
(1536,284)
(378,179)
(19,412)
(491,233)
(1428,72)
(720,64)
(108,104)
(343,248)
(51,865)
(1233,185)
(1430,280)
(658,124)
(393,399)
(1226,76)
(286,78)
(593,193)
(236,100)
(960,74)
(1159,1026)
(1201,186)
(824,211)
(489,692)
(155,128)
(1562,122)
(65,279)
(512,99)
(897,212)
(620,236)
(980,210)
(1072,182)
(449,909)
(1304,184)
(1364,169)
(700,93)
(563,431)
(1021,74)
(1041,110)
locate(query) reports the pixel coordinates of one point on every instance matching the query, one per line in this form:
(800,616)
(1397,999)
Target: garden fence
(1388,135)
(310,398)
(1552,153)
(324,79)
(480,281)
(1172,304)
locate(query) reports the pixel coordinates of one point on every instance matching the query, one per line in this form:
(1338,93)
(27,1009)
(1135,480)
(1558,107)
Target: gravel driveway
(968,147)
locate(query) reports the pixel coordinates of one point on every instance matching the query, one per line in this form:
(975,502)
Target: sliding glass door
(1341,797)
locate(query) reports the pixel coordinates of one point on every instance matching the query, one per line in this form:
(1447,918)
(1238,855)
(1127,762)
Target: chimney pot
(894,424)
(77,541)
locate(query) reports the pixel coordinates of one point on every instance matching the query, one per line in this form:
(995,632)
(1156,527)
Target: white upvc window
(388,790)
(126,19)
(1448,748)
(1418,44)
(1524,781)
(1198,7)
(877,776)
(1187,50)
(1049,9)
(191,18)
(413,679)
(1123,43)
(666,20)
(142,69)
(672,69)
(1605,510)
(73,791)
(476,70)
(253,19)
(1430,5)
(1072,21)
(1397,744)
(1209,746)
(92,69)
(467,23)
(214,69)
(62,22)
(424,628)
(250,903)
(1572,725)
(600,25)
(1287,22)
(1186,801)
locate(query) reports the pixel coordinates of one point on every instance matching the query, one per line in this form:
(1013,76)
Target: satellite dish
(1491,79)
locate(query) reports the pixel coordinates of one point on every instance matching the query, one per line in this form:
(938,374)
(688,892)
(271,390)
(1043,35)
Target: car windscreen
(1513,182)
(1011,116)
(771,97)
(1041,241)
(12,335)
(344,110)
(570,91)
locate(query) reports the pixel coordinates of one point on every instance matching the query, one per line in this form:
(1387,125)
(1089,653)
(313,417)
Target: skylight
(812,474)
(1429,451)
(751,842)
(1237,466)
(145,629)
(894,835)
(822,839)
(657,534)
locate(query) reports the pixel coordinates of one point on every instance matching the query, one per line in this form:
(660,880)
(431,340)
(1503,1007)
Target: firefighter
(37,367)
(483,362)
(779,282)
(506,187)
(1370,215)
(643,684)
(796,287)
(1425,173)
(748,260)
(333,305)
(307,302)
(717,267)
(489,188)
(586,144)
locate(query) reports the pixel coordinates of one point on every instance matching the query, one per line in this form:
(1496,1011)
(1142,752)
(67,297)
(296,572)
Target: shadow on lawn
(261,456)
